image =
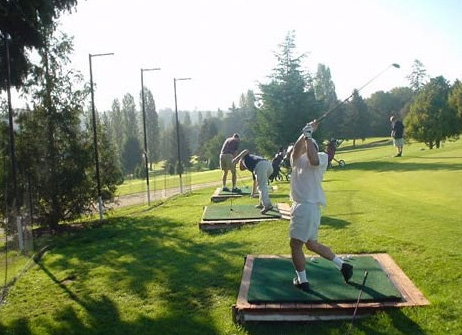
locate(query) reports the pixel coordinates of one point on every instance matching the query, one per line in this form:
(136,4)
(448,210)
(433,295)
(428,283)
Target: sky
(228,47)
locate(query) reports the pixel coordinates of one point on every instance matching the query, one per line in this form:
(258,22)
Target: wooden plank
(245,283)
(284,210)
(412,295)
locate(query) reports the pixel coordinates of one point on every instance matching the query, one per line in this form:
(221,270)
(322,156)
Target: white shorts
(305,219)
(398,142)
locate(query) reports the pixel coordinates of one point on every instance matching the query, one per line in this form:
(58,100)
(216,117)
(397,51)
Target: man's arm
(312,152)
(304,144)
(239,157)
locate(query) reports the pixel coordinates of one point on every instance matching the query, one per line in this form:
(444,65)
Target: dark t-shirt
(398,129)
(230,146)
(251,161)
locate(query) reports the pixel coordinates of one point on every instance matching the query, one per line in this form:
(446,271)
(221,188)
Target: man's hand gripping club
(309,129)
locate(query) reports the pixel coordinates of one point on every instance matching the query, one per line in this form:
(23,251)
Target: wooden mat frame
(283,208)
(244,311)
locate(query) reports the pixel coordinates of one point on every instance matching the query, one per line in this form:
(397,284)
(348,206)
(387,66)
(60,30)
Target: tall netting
(16,249)
(161,184)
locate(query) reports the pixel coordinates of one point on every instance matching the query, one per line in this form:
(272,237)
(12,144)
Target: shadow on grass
(165,278)
(381,166)
(360,147)
(334,223)
(145,257)
(400,322)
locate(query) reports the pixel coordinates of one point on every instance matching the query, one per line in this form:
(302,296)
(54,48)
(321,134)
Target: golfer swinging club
(307,195)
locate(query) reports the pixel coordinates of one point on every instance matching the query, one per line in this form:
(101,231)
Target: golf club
(359,296)
(358,90)
(231,200)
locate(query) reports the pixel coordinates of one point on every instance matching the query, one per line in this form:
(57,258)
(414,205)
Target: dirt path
(140,198)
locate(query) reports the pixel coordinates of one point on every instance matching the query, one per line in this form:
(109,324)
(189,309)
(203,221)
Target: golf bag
(331,150)
(281,160)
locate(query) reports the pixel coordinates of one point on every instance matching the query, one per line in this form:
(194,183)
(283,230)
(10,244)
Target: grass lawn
(150,270)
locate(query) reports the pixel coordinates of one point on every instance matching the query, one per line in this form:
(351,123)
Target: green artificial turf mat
(246,190)
(237,212)
(271,281)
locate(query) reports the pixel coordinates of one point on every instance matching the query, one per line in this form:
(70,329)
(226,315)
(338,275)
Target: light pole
(178,132)
(144,132)
(10,125)
(95,136)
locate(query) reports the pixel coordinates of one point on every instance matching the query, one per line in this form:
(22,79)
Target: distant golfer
(307,195)
(261,170)
(228,152)
(397,133)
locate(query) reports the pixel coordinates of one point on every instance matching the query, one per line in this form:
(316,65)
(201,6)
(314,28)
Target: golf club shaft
(358,90)
(359,295)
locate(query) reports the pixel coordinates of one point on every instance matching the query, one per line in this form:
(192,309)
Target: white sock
(301,276)
(338,262)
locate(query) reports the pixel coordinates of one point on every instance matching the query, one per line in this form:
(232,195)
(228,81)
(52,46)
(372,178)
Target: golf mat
(237,212)
(220,195)
(266,292)
(232,216)
(271,281)
(246,190)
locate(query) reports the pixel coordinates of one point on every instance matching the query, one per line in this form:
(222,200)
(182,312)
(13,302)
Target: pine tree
(431,118)
(288,101)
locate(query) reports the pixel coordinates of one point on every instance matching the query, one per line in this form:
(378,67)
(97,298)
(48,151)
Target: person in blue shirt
(261,170)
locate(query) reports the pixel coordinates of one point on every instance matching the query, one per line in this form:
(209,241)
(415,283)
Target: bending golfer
(307,195)
(261,170)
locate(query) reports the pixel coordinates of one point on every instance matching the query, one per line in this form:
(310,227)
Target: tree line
(49,172)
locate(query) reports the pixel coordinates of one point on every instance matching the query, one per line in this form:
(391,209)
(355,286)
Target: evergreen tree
(212,151)
(132,149)
(431,118)
(152,127)
(118,126)
(130,117)
(418,77)
(356,122)
(208,131)
(26,25)
(109,161)
(54,150)
(326,96)
(382,105)
(131,155)
(455,99)
(288,101)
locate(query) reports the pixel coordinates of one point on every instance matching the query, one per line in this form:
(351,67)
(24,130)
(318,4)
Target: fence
(16,250)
